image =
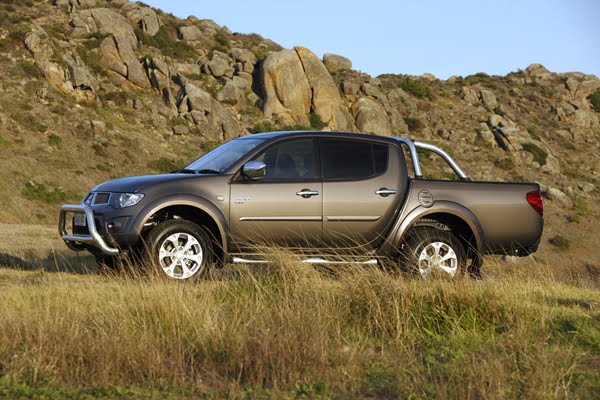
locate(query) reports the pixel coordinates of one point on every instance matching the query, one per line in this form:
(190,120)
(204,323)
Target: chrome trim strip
(282,218)
(357,218)
(385,192)
(453,164)
(93,238)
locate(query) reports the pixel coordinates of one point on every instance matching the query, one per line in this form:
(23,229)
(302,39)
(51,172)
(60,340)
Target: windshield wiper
(209,171)
(185,171)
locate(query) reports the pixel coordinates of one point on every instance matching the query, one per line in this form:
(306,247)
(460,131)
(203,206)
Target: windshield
(224,156)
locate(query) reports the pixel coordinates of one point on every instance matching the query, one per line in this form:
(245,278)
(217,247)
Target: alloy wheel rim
(180,256)
(437,256)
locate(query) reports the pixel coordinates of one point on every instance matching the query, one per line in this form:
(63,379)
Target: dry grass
(525,330)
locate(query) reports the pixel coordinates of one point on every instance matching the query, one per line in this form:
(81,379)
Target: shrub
(539,154)
(416,88)
(414,124)
(39,192)
(4,144)
(54,140)
(119,98)
(595,100)
(165,41)
(315,121)
(30,69)
(92,60)
(561,242)
(223,43)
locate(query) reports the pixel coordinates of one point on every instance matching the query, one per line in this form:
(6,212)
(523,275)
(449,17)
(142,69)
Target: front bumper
(92,239)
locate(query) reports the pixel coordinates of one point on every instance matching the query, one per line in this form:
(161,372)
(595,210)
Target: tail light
(535,201)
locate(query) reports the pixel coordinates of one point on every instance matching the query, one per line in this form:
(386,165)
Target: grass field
(287,330)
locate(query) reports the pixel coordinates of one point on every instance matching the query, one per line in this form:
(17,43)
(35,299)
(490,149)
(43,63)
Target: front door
(285,207)
(362,188)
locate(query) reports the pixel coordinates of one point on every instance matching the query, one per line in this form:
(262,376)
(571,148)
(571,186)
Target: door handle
(307,193)
(385,192)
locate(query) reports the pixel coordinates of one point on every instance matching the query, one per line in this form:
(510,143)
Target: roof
(273,135)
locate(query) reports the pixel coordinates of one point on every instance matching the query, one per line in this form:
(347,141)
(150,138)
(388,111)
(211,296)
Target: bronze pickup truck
(330,197)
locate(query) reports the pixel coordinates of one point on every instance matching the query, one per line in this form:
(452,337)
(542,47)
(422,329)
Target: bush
(165,41)
(416,88)
(414,124)
(595,100)
(223,43)
(54,140)
(561,242)
(92,60)
(539,155)
(315,121)
(39,192)
(30,68)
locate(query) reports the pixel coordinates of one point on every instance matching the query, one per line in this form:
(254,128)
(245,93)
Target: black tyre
(430,252)
(179,249)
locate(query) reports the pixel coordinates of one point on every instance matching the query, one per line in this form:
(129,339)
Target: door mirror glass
(254,170)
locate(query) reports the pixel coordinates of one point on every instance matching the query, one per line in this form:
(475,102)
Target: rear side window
(352,159)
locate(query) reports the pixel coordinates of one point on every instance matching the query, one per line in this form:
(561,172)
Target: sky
(442,37)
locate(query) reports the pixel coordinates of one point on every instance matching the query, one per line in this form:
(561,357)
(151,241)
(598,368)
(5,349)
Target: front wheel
(180,249)
(431,252)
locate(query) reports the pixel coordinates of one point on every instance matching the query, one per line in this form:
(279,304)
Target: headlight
(129,199)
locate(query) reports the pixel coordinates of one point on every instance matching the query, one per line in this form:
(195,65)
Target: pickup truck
(329,197)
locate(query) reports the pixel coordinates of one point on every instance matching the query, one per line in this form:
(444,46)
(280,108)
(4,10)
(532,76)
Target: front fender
(182,200)
(439,207)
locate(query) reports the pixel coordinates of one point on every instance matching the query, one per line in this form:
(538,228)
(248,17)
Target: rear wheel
(179,249)
(430,252)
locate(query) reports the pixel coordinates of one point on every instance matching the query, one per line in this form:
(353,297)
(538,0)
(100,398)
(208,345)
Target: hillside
(94,89)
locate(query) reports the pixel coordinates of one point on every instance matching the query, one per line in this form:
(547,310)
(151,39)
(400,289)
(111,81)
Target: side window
(353,159)
(294,159)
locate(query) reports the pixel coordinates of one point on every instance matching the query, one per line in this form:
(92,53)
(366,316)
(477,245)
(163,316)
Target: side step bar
(313,260)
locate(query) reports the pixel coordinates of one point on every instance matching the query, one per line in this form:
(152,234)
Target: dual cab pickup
(332,197)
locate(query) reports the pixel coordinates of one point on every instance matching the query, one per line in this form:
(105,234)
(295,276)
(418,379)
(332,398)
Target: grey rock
(181,130)
(558,196)
(335,62)
(350,88)
(371,117)
(189,33)
(103,20)
(219,67)
(372,90)
(38,43)
(231,93)
(146,18)
(135,71)
(572,84)
(586,187)
(109,56)
(80,76)
(98,126)
(488,98)
(470,95)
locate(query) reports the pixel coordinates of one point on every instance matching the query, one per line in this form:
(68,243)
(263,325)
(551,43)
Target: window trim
(239,178)
(372,142)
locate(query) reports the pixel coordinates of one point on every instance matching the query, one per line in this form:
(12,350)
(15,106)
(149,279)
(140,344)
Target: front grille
(101,198)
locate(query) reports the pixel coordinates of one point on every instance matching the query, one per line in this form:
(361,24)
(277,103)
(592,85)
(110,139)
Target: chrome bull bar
(93,238)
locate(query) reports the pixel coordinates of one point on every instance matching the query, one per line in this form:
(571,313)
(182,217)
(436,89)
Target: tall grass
(291,330)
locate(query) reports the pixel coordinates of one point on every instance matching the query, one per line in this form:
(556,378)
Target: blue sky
(459,37)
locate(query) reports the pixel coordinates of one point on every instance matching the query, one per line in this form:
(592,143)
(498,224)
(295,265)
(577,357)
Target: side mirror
(254,170)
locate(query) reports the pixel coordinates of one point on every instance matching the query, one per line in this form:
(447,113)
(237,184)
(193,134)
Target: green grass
(40,192)
(54,140)
(414,124)
(165,165)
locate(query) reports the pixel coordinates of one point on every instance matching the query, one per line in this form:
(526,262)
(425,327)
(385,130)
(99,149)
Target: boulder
(335,62)
(371,117)
(286,88)
(135,71)
(109,56)
(103,20)
(470,95)
(350,88)
(219,66)
(145,18)
(189,33)
(558,196)
(181,130)
(80,76)
(231,92)
(488,98)
(326,101)
(586,187)
(53,73)
(538,71)
(37,42)
(245,57)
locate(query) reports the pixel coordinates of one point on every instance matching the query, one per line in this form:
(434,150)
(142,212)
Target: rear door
(285,207)
(362,188)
